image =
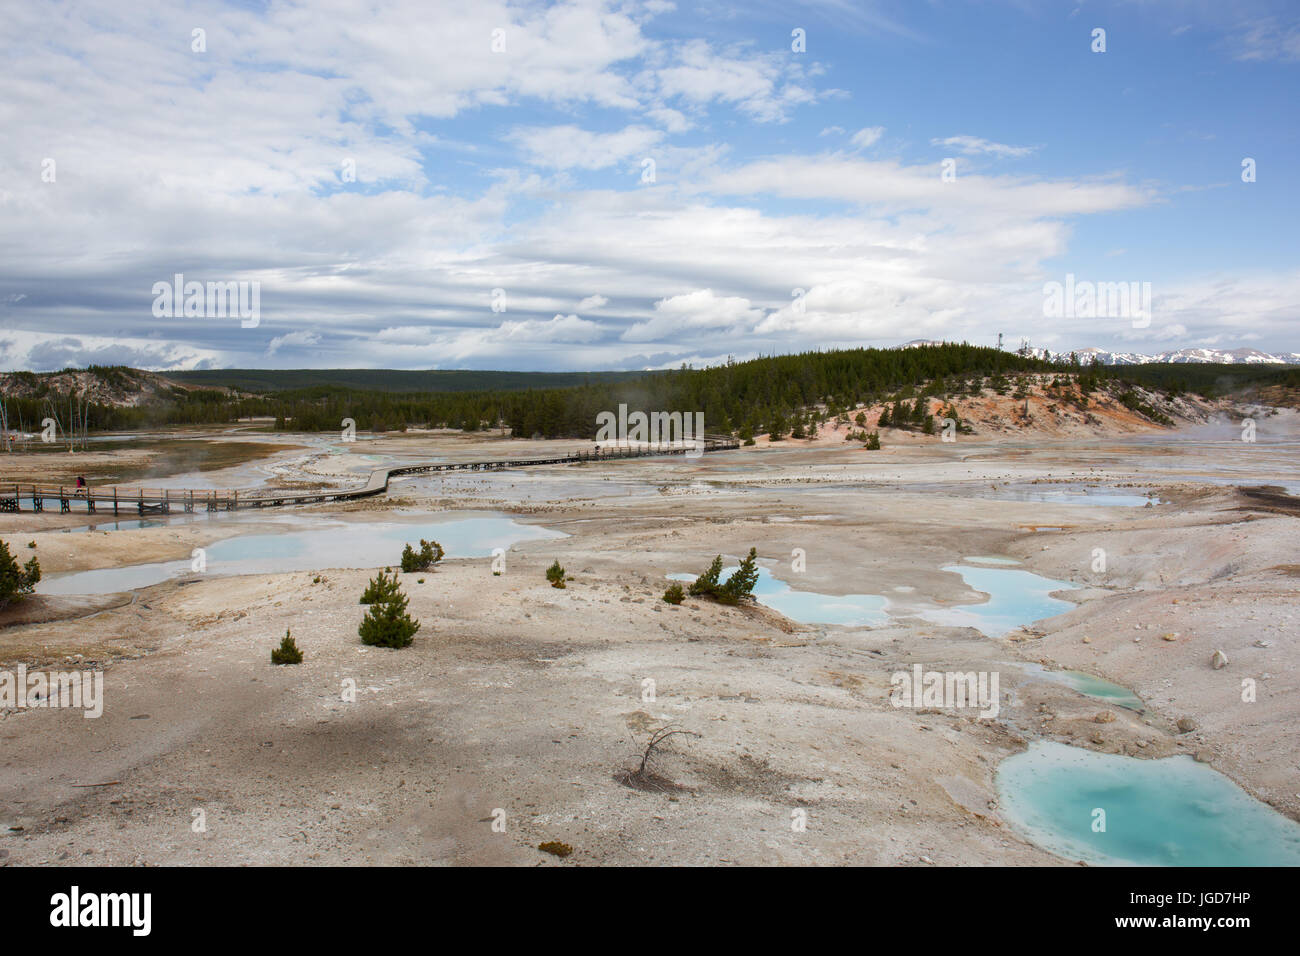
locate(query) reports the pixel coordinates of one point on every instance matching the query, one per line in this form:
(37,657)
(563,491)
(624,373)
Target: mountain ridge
(1184,356)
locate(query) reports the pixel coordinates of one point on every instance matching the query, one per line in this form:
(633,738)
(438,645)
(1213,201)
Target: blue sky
(130,156)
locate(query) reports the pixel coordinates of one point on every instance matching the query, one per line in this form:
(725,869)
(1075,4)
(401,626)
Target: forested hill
(738,397)
(732,396)
(747,397)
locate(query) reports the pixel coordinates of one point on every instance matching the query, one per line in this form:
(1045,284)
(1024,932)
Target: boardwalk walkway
(162,501)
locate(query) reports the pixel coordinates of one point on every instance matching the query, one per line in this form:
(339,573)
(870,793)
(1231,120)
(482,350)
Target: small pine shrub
(555,574)
(873,441)
(287,652)
(675,593)
(430,553)
(387,624)
(707,583)
(16,582)
(739,585)
(742,581)
(381,588)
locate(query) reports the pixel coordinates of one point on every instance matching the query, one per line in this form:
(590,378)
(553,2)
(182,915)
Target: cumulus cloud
(381,183)
(561,328)
(694,311)
(48,351)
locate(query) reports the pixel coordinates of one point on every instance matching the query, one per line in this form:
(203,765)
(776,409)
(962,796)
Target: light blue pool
(1015,598)
(811,607)
(1169,812)
(336,544)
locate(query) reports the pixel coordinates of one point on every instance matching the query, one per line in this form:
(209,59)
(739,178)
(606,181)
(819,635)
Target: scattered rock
(1171,636)
(1219,661)
(1186,725)
(1104,717)
(1204,756)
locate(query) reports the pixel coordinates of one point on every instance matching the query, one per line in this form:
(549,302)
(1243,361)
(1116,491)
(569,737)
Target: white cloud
(674,121)
(561,328)
(894,185)
(867,137)
(300,338)
(568,147)
(398,268)
(974,146)
(765,86)
(21,349)
(694,311)
(1266,39)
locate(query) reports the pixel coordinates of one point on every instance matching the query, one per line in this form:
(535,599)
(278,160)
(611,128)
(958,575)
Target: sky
(627,185)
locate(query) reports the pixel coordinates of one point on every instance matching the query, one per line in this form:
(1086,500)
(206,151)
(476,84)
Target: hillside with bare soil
(1035,406)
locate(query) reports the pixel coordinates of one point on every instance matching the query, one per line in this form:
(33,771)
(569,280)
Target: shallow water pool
(1168,812)
(332,544)
(1095,687)
(1015,598)
(811,607)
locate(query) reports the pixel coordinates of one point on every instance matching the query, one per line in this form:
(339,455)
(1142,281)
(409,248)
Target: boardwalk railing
(162,501)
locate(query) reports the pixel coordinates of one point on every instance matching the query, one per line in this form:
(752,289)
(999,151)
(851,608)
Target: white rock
(1219,660)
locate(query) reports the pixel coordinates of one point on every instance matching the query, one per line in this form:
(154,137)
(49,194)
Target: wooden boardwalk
(162,501)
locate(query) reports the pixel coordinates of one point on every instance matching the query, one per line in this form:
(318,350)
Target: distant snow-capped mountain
(1180,356)
(1185,356)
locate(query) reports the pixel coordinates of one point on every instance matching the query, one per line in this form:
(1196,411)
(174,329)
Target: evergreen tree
(16,582)
(287,652)
(707,583)
(778,427)
(386,623)
(742,580)
(430,553)
(381,588)
(555,574)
